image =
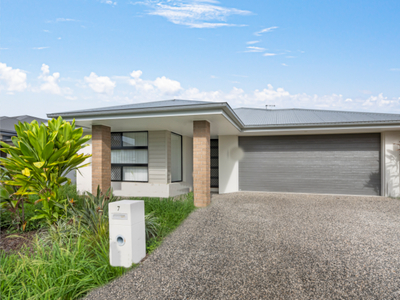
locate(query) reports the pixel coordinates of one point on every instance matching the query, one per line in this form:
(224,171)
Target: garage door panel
(339,164)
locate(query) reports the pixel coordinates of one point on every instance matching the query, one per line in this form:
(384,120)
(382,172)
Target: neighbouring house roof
(7,129)
(247,118)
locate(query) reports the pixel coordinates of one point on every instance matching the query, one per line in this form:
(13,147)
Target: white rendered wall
(390,164)
(84,178)
(228,164)
(140,189)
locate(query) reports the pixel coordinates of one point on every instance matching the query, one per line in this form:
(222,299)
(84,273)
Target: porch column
(201,163)
(101,158)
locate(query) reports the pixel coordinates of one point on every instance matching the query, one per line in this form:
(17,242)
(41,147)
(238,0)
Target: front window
(176,157)
(129,156)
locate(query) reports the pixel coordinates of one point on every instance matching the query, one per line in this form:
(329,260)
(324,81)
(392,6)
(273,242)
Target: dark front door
(214,163)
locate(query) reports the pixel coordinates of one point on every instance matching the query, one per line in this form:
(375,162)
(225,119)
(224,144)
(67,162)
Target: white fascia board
(148,115)
(194,114)
(377,128)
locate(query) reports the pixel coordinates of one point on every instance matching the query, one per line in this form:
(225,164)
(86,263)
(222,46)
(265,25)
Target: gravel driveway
(274,246)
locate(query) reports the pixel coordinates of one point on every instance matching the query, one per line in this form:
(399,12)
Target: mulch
(13,242)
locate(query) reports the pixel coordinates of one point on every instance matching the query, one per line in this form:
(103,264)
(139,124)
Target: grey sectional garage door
(334,164)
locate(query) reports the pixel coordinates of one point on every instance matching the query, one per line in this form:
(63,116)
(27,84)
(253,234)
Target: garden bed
(65,261)
(13,242)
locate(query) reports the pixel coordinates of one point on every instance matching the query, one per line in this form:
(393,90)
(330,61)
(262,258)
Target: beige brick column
(101,158)
(201,163)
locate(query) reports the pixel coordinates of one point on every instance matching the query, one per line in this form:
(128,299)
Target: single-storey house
(168,148)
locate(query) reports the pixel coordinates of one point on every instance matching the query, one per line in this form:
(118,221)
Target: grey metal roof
(7,123)
(245,118)
(7,129)
(301,117)
(145,105)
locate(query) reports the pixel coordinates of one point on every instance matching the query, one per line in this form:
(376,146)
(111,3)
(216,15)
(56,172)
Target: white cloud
(66,20)
(252,42)
(285,65)
(380,101)
(136,74)
(269,29)
(100,84)
(134,89)
(164,88)
(14,80)
(162,84)
(194,13)
(255,49)
(109,2)
(269,54)
(50,84)
(283,99)
(39,48)
(395,69)
(167,86)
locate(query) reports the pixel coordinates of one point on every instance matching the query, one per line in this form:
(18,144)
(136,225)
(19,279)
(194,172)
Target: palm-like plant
(40,160)
(93,214)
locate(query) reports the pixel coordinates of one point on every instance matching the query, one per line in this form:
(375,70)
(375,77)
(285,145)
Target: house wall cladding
(159,161)
(333,164)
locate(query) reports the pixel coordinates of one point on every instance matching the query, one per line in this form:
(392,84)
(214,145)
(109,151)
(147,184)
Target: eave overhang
(221,108)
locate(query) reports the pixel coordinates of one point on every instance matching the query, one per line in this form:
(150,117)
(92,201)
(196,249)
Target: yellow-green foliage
(41,158)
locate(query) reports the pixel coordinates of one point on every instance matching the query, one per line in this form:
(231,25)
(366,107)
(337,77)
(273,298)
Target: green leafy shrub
(40,160)
(92,213)
(152,226)
(6,219)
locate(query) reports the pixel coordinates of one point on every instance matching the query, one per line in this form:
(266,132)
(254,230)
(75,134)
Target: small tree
(40,160)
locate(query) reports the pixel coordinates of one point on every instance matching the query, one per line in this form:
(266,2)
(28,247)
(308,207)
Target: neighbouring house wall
(229,155)
(390,164)
(84,178)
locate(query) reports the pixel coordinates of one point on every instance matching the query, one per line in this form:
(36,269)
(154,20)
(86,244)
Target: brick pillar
(101,158)
(201,163)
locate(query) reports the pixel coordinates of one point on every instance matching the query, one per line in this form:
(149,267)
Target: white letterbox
(127,232)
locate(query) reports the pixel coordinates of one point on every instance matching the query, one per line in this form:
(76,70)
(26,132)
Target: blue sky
(75,54)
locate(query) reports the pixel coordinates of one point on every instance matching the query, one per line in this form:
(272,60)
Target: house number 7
(118,208)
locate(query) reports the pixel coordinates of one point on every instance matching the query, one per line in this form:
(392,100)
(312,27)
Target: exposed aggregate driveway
(274,246)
